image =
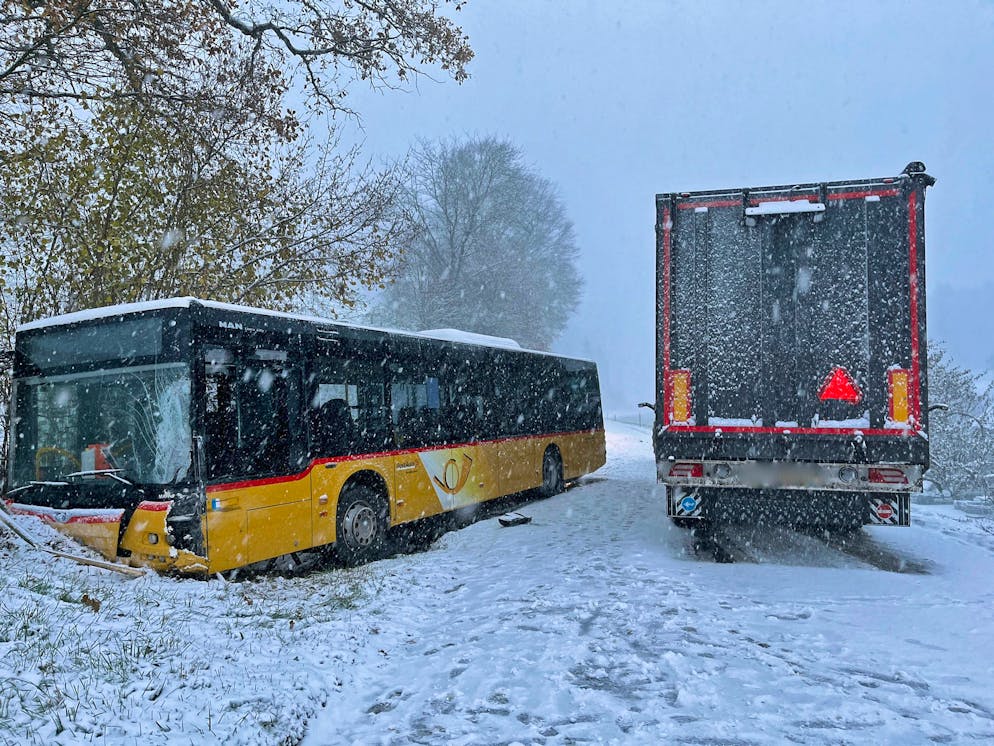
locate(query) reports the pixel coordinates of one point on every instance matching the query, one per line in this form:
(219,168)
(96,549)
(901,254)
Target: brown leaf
(90,601)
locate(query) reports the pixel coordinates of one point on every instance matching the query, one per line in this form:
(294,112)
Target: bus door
(257,500)
(522,390)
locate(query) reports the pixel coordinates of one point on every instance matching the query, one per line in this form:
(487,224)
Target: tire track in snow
(595,623)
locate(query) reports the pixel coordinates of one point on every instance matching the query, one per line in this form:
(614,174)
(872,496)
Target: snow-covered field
(595,623)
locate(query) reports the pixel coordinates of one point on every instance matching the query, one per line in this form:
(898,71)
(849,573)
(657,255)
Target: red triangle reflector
(840,385)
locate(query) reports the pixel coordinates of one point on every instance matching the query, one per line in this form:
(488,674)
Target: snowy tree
(494,251)
(961,437)
(164,52)
(128,210)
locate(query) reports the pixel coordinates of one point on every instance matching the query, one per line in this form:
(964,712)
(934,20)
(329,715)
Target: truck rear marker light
(840,385)
(887,475)
(680,397)
(848,474)
(898,409)
(694,471)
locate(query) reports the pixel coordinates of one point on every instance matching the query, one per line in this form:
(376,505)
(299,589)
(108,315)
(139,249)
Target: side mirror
(647,405)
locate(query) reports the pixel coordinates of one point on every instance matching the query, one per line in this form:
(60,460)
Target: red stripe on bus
(915,352)
(52,517)
(381,454)
(791,430)
(95,519)
(154,506)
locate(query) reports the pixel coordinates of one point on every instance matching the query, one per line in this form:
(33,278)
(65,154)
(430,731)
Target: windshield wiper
(112,473)
(37,483)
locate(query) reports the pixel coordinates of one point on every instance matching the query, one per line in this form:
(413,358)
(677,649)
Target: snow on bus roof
(105,311)
(448,335)
(472,338)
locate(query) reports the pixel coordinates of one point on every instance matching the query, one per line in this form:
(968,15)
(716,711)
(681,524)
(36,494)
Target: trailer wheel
(552,472)
(701,539)
(361,525)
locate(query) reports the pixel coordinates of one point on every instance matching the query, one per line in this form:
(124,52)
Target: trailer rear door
(793,310)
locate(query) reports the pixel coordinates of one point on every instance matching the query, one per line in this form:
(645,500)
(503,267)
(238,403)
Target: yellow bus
(200,437)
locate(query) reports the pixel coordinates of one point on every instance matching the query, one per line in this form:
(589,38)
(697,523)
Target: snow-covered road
(596,623)
(593,623)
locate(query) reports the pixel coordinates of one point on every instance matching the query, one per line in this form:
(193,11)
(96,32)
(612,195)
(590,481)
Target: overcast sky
(617,101)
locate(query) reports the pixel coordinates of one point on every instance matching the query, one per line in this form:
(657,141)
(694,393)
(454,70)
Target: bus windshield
(133,420)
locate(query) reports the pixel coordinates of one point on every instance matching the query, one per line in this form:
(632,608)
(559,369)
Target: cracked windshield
(134,422)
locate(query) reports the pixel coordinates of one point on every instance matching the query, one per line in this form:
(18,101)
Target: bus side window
(268,390)
(332,415)
(347,410)
(581,395)
(462,407)
(250,413)
(416,409)
(407,402)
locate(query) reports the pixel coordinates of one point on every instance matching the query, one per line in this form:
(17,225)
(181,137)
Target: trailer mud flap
(889,511)
(682,504)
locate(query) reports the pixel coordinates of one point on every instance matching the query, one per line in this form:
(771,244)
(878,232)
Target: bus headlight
(848,474)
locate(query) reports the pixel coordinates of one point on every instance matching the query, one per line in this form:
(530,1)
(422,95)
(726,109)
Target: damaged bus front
(101,444)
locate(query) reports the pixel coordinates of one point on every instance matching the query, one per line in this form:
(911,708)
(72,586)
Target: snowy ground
(593,623)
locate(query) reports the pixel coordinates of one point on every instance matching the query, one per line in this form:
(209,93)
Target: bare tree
(494,251)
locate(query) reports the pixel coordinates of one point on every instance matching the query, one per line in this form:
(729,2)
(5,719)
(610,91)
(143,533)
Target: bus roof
(448,335)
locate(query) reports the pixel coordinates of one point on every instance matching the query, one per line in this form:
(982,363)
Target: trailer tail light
(898,411)
(886,475)
(694,471)
(680,401)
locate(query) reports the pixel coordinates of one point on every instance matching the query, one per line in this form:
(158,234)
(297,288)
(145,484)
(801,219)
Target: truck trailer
(791,366)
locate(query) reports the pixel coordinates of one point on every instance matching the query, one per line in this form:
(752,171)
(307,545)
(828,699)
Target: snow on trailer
(791,369)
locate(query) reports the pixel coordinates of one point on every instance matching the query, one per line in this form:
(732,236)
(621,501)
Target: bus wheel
(552,473)
(361,526)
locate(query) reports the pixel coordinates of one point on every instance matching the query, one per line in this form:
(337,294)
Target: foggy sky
(616,102)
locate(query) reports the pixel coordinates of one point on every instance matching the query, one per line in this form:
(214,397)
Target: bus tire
(552,472)
(361,525)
